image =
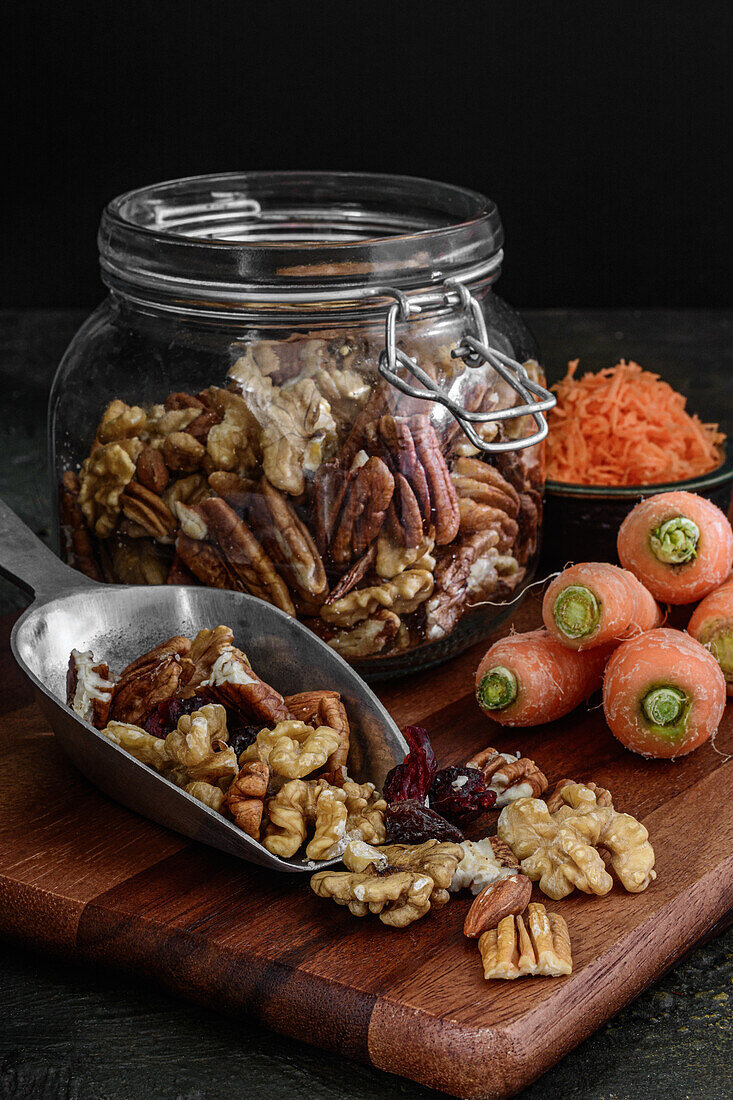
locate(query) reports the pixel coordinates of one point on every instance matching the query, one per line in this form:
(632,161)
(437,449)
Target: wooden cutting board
(82,876)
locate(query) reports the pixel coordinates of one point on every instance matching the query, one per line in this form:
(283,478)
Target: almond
(504,898)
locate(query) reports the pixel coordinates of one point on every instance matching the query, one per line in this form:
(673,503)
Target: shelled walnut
(399,882)
(560,850)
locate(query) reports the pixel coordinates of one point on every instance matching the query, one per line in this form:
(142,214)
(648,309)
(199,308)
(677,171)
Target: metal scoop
(118,623)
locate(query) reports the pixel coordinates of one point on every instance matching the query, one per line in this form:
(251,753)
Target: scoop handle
(28,562)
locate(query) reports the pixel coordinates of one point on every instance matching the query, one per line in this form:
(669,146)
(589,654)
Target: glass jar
(303,386)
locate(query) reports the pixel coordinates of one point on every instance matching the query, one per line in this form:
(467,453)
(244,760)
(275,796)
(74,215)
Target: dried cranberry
(241,736)
(461,793)
(413,777)
(410,822)
(165,717)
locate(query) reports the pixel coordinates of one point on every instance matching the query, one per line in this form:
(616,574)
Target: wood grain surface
(83,876)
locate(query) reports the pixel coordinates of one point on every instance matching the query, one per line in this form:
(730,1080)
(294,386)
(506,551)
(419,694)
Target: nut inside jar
(309,481)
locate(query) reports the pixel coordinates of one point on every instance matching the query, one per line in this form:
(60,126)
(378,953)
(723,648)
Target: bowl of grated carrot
(616,436)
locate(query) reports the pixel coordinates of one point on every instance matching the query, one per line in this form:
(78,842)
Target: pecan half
(443,499)
(478,481)
(352,576)
(288,542)
(509,776)
(368,495)
(329,487)
(228,554)
(235,682)
(152,679)
(148,510)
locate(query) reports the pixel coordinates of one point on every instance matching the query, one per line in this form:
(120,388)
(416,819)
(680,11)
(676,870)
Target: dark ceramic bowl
(581,522)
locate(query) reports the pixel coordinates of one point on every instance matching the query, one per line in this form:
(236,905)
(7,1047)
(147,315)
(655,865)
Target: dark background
(601,130)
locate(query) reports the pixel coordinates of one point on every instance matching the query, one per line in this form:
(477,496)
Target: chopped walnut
(601,797)
(433,858)
(354,811)
(290,813)
(104,476)
(560,850)
(326,709)
(183,453)
(511,777)
(399,897)
(163,421)
(185,490)
(298,429)
(211,795)
(513,950)
(368,637)
(233,443)
(393,558)
(483,862)
(120,421)
(199,744)
(140,744)
(404,593)
(293,749)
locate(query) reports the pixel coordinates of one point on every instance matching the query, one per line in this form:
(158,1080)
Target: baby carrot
(663,694)
(678,544)
(594,603)
(528,679)
(712,626)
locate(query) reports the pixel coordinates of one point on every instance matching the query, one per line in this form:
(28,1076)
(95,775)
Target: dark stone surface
(69,1031)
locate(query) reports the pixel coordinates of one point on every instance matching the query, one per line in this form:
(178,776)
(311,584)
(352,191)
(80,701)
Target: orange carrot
(663,694)
(624,426)
(679,545)
(595,603)
(712,626)
(528,679)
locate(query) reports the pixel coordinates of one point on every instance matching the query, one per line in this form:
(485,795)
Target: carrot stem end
(664,706)
(675,541)
(576,611)
(498,688)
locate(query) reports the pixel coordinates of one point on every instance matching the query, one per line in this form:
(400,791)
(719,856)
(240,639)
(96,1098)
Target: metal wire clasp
(474,350)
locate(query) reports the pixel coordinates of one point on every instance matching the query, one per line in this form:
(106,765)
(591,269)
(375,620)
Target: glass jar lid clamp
(474,351)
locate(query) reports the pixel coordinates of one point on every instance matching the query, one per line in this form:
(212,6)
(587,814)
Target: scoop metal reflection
(118,623)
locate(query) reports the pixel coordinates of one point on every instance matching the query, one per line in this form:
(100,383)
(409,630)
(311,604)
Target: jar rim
(243,238)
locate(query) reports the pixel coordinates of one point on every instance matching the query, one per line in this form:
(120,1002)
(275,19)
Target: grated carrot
(625,426)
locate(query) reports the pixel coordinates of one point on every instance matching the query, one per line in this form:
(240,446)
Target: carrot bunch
(664,690)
